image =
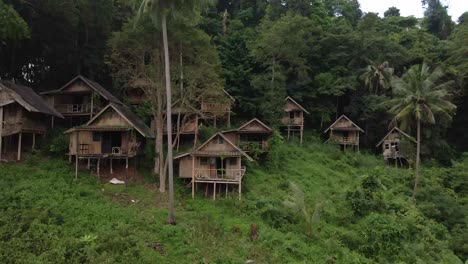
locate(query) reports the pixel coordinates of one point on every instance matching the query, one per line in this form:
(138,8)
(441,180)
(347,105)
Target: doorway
(111,140)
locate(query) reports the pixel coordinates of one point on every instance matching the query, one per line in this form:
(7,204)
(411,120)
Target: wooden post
(193,177)
(52,122)
(34,141)
(214,191)
(76,166)
(240,189)
(89,163)
(1,131)
(92,105)
(302,132)
(20,137)
(289,131)
(111,169)
(126,172)
(98,165)
(226,189)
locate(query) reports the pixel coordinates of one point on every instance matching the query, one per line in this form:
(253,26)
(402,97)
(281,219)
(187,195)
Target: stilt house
(217,107)
(115,133)
(345,133)
(395,145)
(293,119)
(218,161)
(79,100)
(252,136)
(23,116)
(184,126)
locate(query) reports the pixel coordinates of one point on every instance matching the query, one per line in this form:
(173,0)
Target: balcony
(10,128)
(233,175)
(249,146)
(297,121)
(72,109)
(215,107)
(344,140)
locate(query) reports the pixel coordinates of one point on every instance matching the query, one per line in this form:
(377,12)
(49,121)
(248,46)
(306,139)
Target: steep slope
(367,216)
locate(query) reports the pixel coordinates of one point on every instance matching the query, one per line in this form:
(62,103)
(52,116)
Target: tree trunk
(170,219)
(418,154)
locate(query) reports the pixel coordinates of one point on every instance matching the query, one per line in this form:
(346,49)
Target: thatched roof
(92,84)
(399,132)
(129,116)
(29,99)
(353,126)
(296,103)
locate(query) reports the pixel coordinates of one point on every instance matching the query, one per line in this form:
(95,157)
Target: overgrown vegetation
(366,215)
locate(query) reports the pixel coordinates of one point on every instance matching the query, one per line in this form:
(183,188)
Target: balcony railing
(293,121)
(219,174)
(215,107)
(14,127)
(253,145)
(74,108)
(344,140)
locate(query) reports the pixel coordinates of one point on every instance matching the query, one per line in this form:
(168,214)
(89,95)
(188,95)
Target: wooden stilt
(98,165)
(70,158)
(214,191)
(214,122)
(89,163)
(301,133)
(193,177)
(76,166)
(1,131)
(226,189)
(289,132)
(206,189)
(126,172)
(20,137)
(34,141)
(52,122)
(240,190)
(111,168)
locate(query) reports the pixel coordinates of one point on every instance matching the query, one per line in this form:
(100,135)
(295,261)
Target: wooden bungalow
(218,161)
(115,133)
(293,119)
(251,135)
(80,99)
(216,107)
(396,145)
(185,125)
(345,133)
(23,116)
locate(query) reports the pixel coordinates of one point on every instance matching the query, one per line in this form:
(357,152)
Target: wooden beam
(111,169)
(126,172)
(214,191)
(76,166)
(193,177)
(1,131)
(34,141)
(20,137)
(98,165)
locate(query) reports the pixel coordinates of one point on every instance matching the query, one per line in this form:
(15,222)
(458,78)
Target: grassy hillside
(367,217)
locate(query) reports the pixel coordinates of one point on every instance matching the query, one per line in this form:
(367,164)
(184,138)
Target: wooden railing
(251,145)
(344,140)
(14,127)
(74,108)
(214,107)
(293,121)
(219,174)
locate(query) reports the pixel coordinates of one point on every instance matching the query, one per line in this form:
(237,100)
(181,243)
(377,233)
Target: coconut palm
(377,76)
(159,10)
(418,97)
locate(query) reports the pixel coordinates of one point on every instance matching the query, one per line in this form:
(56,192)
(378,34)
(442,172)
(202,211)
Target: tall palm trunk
(418,153)
(170,219)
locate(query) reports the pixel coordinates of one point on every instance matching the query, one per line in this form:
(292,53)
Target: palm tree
(159,10)
(418,96)
(377,76)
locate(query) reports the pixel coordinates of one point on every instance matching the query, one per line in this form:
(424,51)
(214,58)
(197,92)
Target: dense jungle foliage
(309,203)
(364,214)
